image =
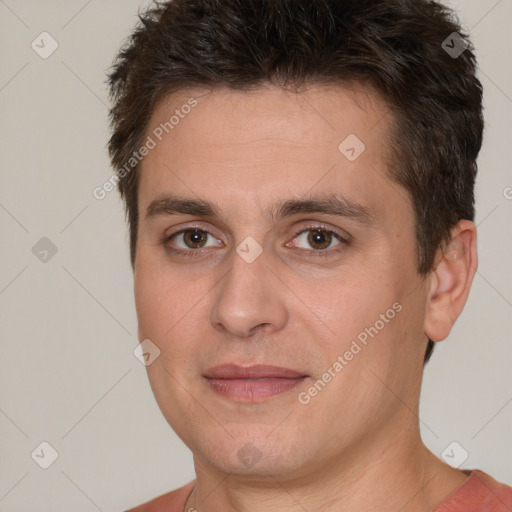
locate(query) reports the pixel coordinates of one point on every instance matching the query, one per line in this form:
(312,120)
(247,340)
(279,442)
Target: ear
(450,281)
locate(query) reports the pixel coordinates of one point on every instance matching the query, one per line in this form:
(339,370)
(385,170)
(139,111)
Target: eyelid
(183,229)
(342,237)
(193,225)
(313,225)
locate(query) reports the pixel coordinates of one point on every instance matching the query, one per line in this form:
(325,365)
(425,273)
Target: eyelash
(325,253)
(313,253)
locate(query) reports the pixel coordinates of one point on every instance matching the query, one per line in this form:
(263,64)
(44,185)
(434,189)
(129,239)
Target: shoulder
(479,493)
(173,501)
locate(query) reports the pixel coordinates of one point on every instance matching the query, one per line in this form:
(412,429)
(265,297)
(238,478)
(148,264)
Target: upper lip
(233,371)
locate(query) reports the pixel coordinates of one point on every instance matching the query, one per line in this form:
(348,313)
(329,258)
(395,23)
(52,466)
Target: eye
(189,240)
(320,239)
(314,240)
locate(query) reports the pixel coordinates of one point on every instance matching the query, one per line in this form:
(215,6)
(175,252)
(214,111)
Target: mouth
(252,383)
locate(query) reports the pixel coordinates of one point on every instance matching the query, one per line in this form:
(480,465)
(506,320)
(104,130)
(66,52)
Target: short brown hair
(413,52)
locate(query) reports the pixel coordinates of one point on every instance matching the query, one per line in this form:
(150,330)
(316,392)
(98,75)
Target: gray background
(68,327)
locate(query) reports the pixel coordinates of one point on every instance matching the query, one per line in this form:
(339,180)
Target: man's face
(340,303)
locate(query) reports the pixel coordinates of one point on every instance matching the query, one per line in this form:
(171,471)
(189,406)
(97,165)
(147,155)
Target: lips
(252,383)
(258,371)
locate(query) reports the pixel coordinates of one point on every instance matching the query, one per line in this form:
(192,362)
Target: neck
(403,476)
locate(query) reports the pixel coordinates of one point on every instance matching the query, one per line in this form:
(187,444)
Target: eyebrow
(332,204)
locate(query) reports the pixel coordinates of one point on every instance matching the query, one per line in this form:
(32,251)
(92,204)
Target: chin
(254,456)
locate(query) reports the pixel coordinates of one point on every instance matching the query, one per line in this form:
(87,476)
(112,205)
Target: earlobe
(451,281)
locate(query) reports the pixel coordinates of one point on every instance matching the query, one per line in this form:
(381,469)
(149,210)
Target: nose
(249,298)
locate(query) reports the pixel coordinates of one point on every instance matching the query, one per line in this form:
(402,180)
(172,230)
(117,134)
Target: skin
(244,152)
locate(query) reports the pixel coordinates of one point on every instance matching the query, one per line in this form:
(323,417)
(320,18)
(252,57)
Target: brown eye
(319,239)
(194,238)
(191,240)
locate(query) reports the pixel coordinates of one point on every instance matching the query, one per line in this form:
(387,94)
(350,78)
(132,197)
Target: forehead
(308,116)
(265,142)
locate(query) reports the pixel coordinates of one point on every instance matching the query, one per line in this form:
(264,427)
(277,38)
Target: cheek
(366,314)
(150,302)
(154,295)
(158,301)
(169,306)
(353,302)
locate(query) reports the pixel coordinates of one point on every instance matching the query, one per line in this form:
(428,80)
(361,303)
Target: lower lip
(253,390)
